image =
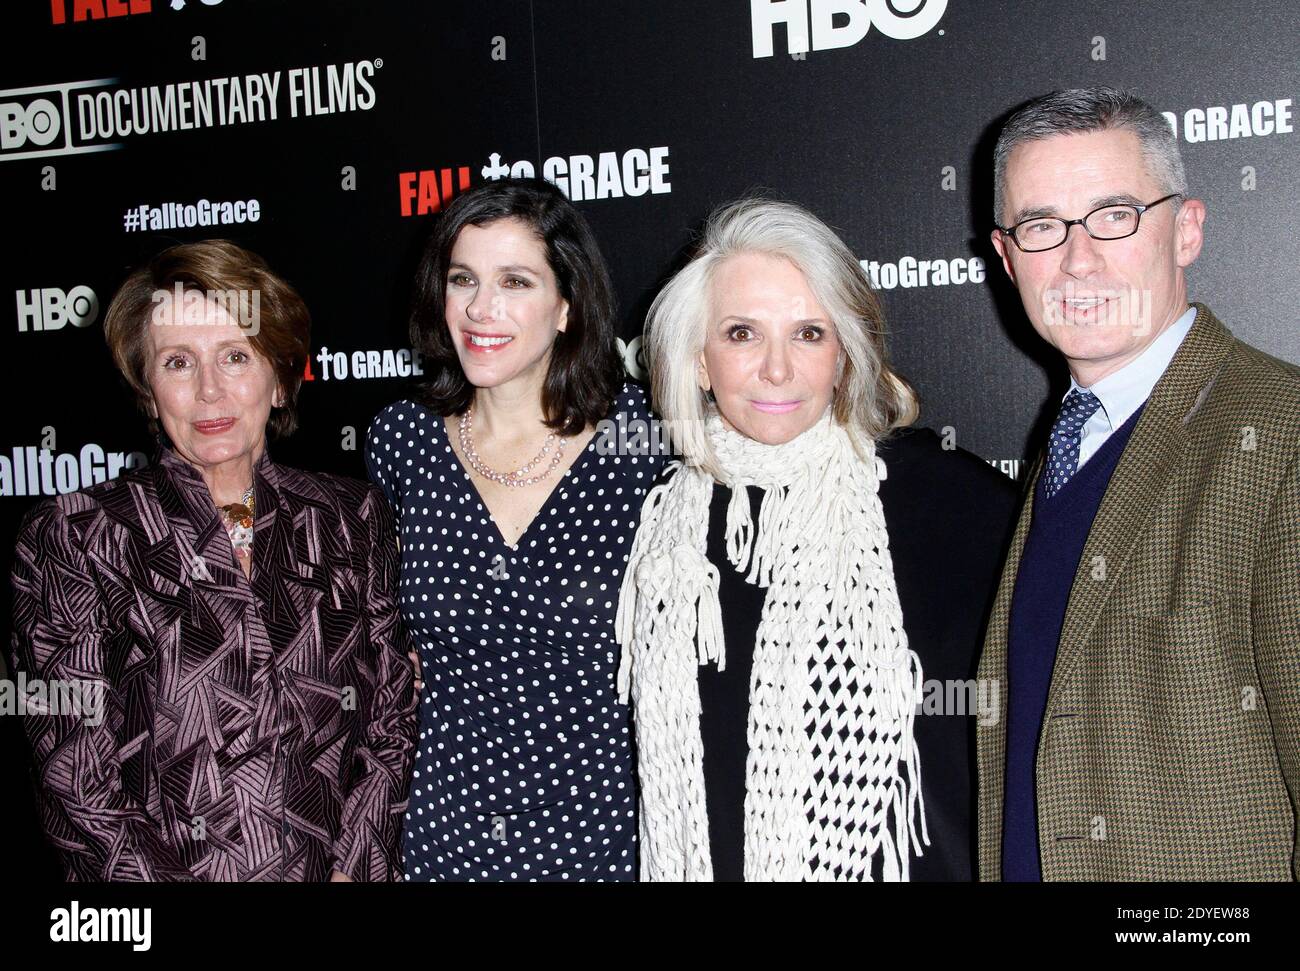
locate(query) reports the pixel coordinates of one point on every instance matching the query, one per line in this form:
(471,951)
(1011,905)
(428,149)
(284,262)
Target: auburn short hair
(282,335)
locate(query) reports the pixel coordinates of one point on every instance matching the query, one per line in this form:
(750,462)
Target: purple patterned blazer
(257,729)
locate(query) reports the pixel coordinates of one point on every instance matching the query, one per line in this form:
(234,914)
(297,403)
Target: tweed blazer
(1170,745)
(255,728)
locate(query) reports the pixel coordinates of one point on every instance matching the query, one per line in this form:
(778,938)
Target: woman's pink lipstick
(214,426)
(776,407)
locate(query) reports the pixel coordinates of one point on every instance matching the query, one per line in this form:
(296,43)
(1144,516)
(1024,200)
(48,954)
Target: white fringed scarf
(834,685)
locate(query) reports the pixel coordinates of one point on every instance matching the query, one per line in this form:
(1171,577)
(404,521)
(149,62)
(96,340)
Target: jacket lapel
(992,739)
(206,558)
(1148,462)
(274,556)
(207,562)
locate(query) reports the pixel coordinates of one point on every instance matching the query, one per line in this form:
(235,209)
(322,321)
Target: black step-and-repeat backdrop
(327,136)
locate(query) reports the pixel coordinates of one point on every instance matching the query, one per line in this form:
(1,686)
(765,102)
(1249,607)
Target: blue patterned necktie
(1063,445)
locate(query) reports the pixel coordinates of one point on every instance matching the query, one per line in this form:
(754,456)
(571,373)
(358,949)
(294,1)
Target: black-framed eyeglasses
(1106,222)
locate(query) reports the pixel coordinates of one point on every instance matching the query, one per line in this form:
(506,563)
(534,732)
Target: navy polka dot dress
(523,769)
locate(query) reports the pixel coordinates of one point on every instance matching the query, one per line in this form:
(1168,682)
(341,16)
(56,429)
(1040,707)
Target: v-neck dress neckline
(471,487)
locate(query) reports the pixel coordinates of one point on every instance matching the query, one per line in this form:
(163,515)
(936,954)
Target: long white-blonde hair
(870,400)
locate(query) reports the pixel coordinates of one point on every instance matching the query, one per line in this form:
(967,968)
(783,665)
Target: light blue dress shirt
(1123,392)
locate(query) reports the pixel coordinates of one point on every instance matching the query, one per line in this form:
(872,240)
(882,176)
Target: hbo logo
(51,308)
(38,123)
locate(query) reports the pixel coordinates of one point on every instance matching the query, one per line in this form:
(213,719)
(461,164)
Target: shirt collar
(189,481)
(1122,393)
(168,457)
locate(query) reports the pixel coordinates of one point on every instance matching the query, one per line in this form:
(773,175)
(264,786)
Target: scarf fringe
(740,528)
(684,566)
(831,616)
(628,600)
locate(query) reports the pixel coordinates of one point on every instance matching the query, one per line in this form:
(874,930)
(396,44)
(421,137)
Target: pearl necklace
(520,476)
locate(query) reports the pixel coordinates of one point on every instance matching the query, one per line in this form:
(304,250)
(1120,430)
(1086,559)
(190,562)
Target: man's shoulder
(1252,366)
(1232,374)
(1261,387)
(1252,398)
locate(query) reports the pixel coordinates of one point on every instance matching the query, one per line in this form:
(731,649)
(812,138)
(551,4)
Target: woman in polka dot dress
(516,479)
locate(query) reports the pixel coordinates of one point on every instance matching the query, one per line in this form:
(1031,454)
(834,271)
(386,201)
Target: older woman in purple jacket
(232,620)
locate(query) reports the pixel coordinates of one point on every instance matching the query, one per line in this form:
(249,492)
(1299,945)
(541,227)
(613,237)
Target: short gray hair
(1081,110)
(870,399)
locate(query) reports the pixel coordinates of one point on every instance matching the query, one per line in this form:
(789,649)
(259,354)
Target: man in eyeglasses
(1147,628)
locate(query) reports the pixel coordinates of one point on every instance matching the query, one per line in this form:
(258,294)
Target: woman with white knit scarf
(777,694)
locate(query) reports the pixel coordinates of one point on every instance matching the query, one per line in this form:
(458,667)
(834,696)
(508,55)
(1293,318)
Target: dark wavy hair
(585,373)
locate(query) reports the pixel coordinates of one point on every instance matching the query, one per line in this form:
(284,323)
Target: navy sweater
(1047,569)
